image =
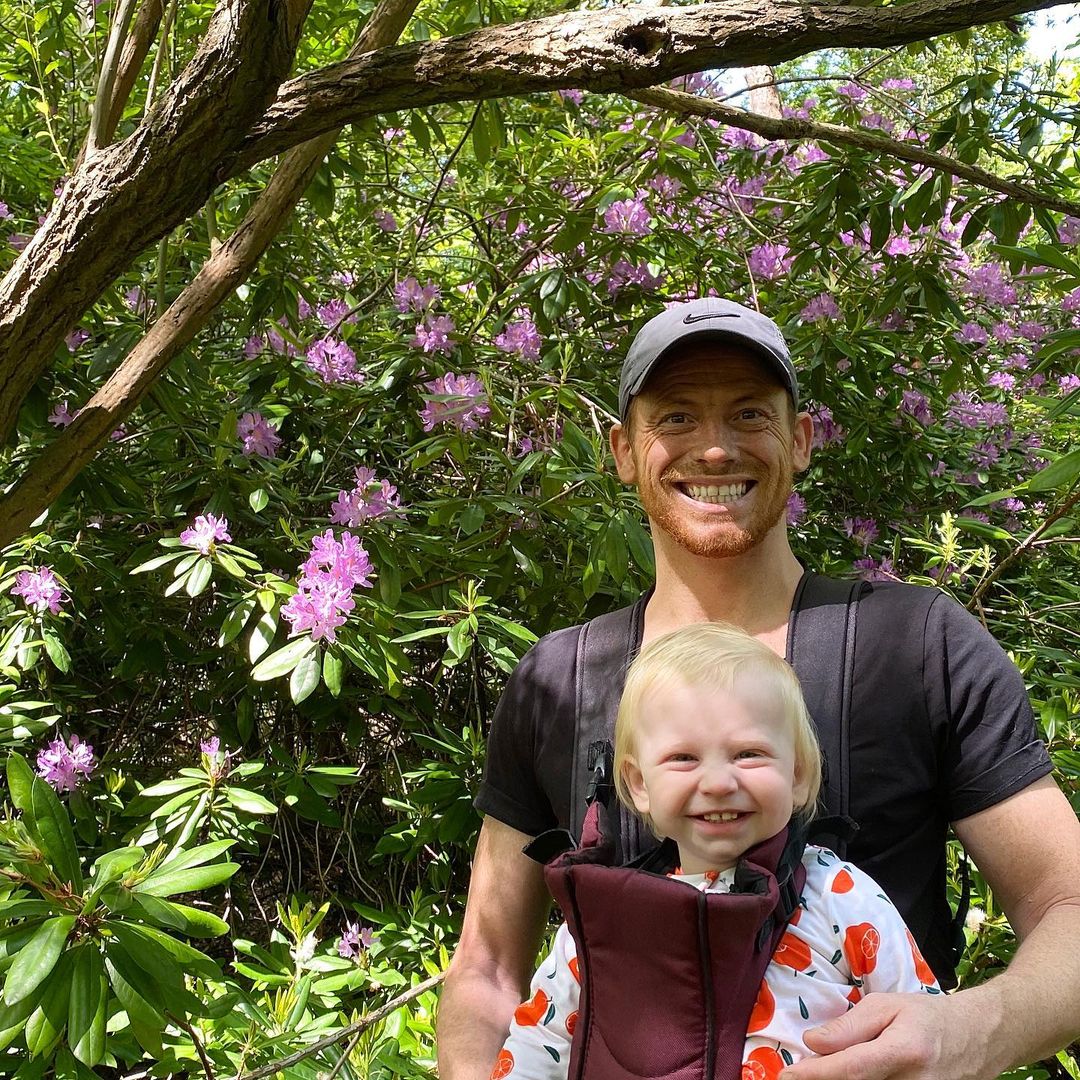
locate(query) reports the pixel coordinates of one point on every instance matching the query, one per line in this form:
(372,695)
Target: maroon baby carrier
(669,974)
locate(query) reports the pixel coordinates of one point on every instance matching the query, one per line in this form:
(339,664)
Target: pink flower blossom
(917,406)
(277,341)
(253,346)
(324,597)
(628,217)
(61,415)
(303,308)
(63,765)
(257,436)
(972,333)
(826,430)
(40,590)
(990,282)
(1002,380)
(872,570)
(1068,383)
(355,941)
(898,84)
(575,97)
(370,498)
(852,91)
(899,245)
(521,338)
(433,334)
(333,361)
(624,273)
(455,399)
(136,300)
(5,213)
(206,531)
(18,241)
(1069,230)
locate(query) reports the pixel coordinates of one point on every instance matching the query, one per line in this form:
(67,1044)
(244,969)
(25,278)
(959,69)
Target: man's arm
(1028,849)
(490,970)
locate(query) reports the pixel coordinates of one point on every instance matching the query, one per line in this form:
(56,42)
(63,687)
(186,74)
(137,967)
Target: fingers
(858,1025)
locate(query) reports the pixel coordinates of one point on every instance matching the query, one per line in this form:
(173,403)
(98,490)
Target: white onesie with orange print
(845,940)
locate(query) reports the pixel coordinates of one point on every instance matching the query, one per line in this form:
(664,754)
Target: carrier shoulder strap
(821,648)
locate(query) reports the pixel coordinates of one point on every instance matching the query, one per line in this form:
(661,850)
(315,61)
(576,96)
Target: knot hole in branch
(644,40)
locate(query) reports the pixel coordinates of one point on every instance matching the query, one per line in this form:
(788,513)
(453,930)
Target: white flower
(974,919)
(303,952)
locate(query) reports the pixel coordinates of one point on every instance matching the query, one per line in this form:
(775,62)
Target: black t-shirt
(940,729)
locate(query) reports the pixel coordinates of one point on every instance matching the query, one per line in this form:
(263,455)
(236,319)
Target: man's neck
(753,591)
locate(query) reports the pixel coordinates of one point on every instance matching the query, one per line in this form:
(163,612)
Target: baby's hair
(714,655)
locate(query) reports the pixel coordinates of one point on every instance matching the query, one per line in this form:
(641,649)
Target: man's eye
(750,414)
(676,418)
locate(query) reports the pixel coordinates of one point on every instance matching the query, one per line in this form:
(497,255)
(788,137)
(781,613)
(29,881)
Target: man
(940,730)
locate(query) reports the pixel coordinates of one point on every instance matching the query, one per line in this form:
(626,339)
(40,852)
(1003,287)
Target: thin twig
(207,1067)
(356,1028)
(98,135)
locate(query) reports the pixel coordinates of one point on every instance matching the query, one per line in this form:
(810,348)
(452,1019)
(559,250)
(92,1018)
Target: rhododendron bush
(248,656)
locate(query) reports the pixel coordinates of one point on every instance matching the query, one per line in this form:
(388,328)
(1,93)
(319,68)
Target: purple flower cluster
(370,498)
(917,406)
(433,334)
(355,941)
(327,579)
(410,295)
(770,261)
(990,282)
(852,91)
(628,217)
(61,415)
(863,531)
(826,429)
(334,312)
(966,411)
(76,338)
(624,273)
(40,590)
(821,307)
(257,436)
(64,765)
(385,220)
(521,338)
(972,334)
(872,570)
(204,532)
(455,399)
(333,361)
(796,508)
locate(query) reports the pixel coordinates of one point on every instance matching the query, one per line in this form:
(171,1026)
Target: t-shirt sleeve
(873,947)
(527,740)
(538,1044)
(992,747)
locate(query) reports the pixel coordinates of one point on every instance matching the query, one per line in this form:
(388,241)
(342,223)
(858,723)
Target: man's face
(712,447)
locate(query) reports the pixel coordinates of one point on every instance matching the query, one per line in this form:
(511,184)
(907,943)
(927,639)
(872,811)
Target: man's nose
(716,446)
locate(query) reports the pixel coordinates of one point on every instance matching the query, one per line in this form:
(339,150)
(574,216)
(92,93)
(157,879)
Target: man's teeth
(716,493)
(727,815)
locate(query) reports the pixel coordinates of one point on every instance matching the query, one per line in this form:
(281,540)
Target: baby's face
(714,769)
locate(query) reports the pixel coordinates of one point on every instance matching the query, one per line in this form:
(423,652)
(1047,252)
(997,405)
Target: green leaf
(333,669)
(135,936)
(1057,474)
(249,801)
(157,562)
(172,787)
(113,865)
(228,563)
(305,677)
(284,660)
(56,651)
(86,1007)
(262,635)
(236,620)
(57,836)
(258,500)
(187,880)
(47,1021)
(37,958)
(20,778)
(199,578)
(204,853)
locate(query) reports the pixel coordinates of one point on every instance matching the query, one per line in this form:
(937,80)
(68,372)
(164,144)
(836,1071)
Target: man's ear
(624,456)
(635,784)
(802,439)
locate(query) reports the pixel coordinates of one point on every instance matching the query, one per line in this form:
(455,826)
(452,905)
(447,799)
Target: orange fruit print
(922,968)
(764,1063)
(574,969)
(792,952)
(571,1023)
(764,1008)
(843,882)
(861,945)
(504,1065)
(530,1013)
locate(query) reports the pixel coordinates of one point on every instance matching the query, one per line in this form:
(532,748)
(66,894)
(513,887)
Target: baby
(715,750)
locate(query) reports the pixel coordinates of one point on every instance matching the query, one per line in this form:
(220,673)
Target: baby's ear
(635,784)
(800,791)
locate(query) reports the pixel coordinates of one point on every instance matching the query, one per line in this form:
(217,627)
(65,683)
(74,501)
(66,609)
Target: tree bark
(764,95)
(127,195)
(227,267)
(608,51)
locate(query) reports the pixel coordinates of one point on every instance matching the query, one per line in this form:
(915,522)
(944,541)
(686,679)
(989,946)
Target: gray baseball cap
(706,319)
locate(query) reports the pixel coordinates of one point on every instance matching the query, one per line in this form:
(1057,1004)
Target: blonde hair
(713,656)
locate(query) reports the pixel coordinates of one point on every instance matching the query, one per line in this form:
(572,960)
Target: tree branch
(794,129)
(612,50)
(226,268)
(135,52)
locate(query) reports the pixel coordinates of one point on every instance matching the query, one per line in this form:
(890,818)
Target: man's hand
(897,1037)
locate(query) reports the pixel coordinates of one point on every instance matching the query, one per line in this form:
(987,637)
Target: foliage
(427,363)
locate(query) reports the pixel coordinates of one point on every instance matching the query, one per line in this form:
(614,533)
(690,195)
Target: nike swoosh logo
(701,318)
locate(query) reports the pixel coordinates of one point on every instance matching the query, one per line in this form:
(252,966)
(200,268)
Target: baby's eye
(751,753)
(681,757)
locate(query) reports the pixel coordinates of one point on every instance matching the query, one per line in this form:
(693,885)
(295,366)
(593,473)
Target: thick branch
(616,49)
(794,129)
(133,192)
(226,268)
